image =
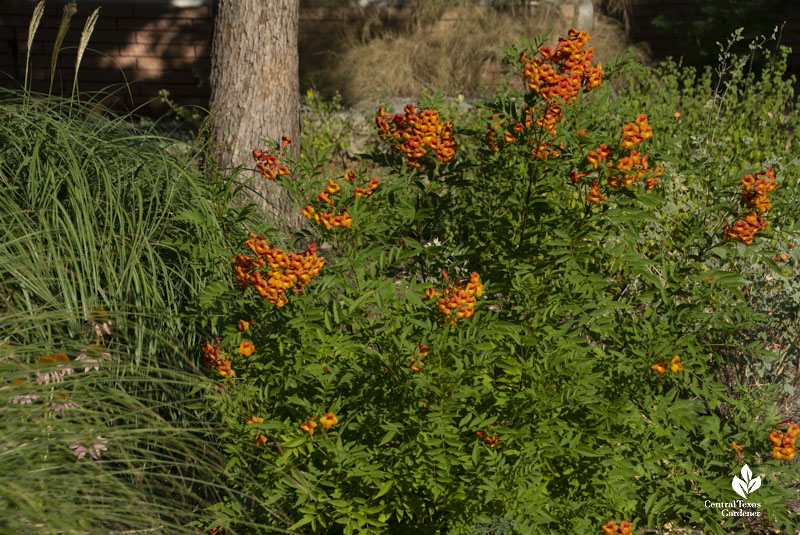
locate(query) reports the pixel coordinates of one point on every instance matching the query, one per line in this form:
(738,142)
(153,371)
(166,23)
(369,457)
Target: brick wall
(136,49)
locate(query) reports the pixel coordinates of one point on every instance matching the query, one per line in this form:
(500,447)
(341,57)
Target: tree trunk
(255,91)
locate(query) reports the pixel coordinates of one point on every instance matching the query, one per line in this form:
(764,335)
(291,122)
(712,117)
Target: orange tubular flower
(244,325)
(610,527)
(594,194)
(431,292)
(625,528)
(489,440)
(285,140)
(596,156)
(332,188)
(675,364)
(210,354)
(224,368)
(308,426)
(738,449)
(416,364)
(255,420)
(308,211)
(259,440)
(324,197)
(659,367)
(328,420)
(246,348)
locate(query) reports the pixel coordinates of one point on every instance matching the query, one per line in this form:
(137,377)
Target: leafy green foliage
(544,411)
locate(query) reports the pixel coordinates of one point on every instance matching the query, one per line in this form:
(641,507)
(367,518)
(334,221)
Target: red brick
(103,75)
(150,50)
(202,50)
(177,76)
(203,25)
(154,24)
(151,63)
(151,11)
(144,36)
(106,10)
(176,90)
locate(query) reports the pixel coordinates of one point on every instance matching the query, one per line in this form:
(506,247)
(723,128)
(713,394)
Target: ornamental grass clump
(97,432)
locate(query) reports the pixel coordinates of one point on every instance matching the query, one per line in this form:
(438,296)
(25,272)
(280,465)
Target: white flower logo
(748,484)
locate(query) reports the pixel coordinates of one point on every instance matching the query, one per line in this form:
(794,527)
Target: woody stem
(532,169)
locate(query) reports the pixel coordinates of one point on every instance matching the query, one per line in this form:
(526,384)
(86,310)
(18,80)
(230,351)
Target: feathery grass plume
(88,28)
(69,11)
(38,11)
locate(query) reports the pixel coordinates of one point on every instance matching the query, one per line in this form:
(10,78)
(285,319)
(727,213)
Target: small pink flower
(91,446)
(24,399)
(92,357)
(63,406)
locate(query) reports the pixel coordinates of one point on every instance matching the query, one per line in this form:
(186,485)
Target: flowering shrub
(537,389)
(411,132)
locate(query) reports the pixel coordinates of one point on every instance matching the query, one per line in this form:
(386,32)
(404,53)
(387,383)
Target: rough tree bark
(255,89)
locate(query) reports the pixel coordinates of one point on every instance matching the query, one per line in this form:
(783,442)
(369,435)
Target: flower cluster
(92,357)
(367,192)
(416,363)
(783,444)
(489,440)
(328,219)
(610,528)
(246,348)
(636,163)
(411,132)
(99,323)
(635,132)
(286,270)
(598,155)
(327,420)
(754,196)
(267,163)
(675,365)
(745,228)
(558,78)
(53,374)
(628,168)
(459,297)
(561,73)
(366,189)
(755,189)
(214,358)
(91,445)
